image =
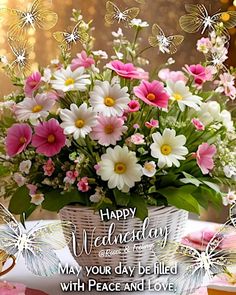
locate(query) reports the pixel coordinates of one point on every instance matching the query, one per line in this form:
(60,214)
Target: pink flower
(32,83)
(18,138)
(49,167)
(174,76)
(134,106)
(136,126)
(71,176)
(49,138)
(200,73)
(83,185)
(82,60)
(226,85)
(128,71)
(152,124)
(32,188)
(137,138)
(204,156)
(108,130)
(198,124)
(152,93)
(204,45)
(9,288)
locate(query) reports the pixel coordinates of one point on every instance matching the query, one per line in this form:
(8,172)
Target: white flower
(149,169)
(68,80)
(118,55)
(34,108)
(168,148)
(109,100)
(78,121)
(209,112)
(4,60)
(118,34)
(25,166)
(119,167)
(179,92)
(100,53)
(37,199)
(226,119)
(96,198)
(19,179)
(229,198)
(47,75)
(230,171)
(136,22)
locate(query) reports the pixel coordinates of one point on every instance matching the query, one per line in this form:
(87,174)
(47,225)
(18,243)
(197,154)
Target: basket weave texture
(85,218)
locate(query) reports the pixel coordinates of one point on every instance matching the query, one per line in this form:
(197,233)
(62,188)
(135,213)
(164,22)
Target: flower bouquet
(101,132)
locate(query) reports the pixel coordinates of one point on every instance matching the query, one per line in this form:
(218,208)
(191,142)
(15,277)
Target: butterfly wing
(39,255)
(227,18)
(156,31)
(9,233)
(45,18)
(194,20)
(233,215)
(174,42)
(190,272)
(13,19)
(112,11)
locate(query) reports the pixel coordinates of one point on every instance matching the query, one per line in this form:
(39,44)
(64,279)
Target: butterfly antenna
(202,246)
(33,227)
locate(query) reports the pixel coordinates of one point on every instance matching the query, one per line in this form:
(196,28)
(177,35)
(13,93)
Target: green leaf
(139,203)
(152,190)
(3,171)
(122,199)
(181,197)
(189,179)
(213,186)
(20,201)
(104,204)
(55,200)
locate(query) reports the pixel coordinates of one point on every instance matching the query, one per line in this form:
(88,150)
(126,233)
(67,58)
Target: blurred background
(165,13)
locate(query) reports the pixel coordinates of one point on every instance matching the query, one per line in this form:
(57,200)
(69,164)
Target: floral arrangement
(101,131)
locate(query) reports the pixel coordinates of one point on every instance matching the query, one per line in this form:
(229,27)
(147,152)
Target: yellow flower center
(151,96)
(69,81)
(109,129)
(166,149)
(109,101)
(148,167)
(22,140)
(37,108)
(79,123)
(51,138)
(120,168)
(177,96)
(225,16)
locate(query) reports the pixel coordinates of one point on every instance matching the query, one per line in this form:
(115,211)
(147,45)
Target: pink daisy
(204,156)
(49,138)
(128,71)
(32,83)
(108,130)
(18,138)
(152,93)
(82,60)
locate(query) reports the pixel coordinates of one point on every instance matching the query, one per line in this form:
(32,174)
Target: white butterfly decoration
(196,268)
(37,246)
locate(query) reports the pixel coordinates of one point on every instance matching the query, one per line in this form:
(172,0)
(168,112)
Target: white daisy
(109,100)
(34,108)
(68,80)
(168,148)
(119,167)
(78,120)
(180,92)
(229,198)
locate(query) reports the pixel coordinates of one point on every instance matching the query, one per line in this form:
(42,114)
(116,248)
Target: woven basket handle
(2,273)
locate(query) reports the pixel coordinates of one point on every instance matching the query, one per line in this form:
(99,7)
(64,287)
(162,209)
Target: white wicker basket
(85,218)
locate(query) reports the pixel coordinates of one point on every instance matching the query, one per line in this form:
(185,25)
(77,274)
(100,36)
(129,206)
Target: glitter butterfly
(115,14)
(37,246)
(138,1)
(198,19)
(38,15)
(21,51)
(165,44)
(71,36)
(195,267)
